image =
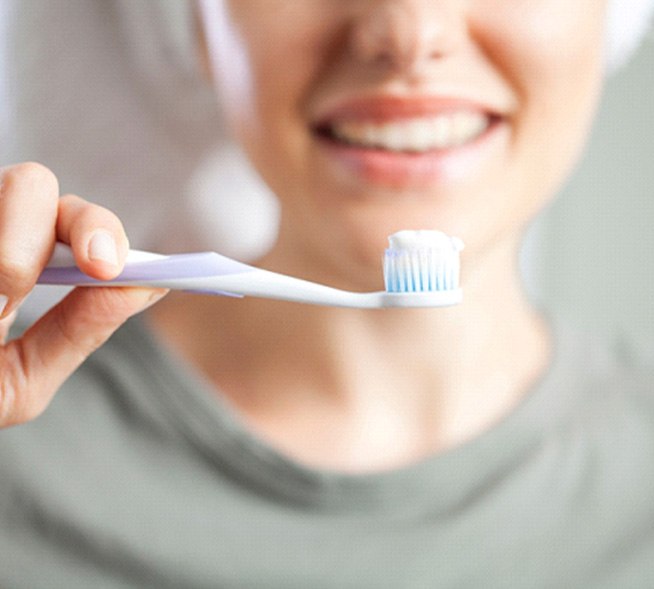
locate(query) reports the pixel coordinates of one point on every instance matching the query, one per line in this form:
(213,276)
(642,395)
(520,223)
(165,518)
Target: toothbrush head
(422,263)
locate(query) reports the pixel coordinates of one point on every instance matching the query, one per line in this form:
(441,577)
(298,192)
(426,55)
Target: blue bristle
(419,270)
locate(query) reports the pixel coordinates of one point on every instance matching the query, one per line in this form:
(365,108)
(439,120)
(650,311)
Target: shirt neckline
(439,482)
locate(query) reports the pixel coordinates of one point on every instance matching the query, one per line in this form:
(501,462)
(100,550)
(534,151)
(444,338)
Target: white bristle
(422,261)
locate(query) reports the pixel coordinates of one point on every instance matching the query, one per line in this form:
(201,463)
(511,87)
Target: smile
(411,135)
(410,142)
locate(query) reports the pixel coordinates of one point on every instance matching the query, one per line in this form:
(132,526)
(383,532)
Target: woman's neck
(365,390)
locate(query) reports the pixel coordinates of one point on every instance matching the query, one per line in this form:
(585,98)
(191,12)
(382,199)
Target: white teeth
(416,134)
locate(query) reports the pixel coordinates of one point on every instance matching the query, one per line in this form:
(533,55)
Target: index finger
(29,194)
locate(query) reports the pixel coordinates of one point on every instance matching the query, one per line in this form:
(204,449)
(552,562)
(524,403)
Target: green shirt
(139,476)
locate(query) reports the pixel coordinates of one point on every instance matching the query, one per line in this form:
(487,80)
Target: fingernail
(153,297)
(157,295)
(3,304)
(102,248)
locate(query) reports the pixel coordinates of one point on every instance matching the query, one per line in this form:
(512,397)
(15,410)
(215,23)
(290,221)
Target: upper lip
(385,108)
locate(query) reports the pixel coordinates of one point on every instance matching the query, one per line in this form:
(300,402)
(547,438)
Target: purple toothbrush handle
(198,265)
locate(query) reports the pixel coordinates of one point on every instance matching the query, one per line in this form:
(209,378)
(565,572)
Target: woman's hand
(32,218)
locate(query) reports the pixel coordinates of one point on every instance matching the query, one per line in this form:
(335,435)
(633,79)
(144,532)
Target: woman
(258,443)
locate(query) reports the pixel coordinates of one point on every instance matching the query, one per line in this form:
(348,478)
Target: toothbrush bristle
(424,268)
(419,271)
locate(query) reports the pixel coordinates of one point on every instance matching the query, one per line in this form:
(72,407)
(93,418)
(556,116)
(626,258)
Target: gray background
(593,252)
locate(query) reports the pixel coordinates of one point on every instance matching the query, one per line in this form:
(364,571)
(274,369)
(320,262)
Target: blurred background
(596,255)
(107,94)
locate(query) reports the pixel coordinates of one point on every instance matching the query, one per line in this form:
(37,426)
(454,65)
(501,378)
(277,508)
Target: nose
(403,34)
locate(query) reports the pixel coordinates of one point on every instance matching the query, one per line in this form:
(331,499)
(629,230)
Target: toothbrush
(421,269)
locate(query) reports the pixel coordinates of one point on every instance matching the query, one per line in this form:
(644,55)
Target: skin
(537,63)
(357,390)
(34,216)
(362,391)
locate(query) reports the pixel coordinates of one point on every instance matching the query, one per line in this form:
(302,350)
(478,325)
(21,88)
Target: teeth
(414,135)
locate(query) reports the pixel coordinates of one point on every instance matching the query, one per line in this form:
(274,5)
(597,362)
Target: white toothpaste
(408,240)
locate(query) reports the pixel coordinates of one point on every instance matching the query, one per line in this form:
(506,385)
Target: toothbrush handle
(142,268)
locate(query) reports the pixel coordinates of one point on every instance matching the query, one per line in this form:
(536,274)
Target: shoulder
(604,377)
(633,376)
(610,375)
(629,364)
(607,357)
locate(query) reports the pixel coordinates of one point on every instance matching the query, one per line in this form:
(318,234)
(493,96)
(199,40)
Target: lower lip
(415,170)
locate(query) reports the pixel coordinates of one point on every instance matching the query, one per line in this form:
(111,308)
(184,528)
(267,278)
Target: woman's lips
(390,107)
(408,142)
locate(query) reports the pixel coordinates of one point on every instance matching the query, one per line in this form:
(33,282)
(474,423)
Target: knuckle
(71,210)
(102,216)
(85,326)
(8,404)
(16,275)
(83,214)
(72,205)
(18,403)
(35,174)
(67,320)
(72,200)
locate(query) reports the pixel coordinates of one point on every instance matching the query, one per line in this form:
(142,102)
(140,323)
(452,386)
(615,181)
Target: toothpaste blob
(424,238)
(422,261)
